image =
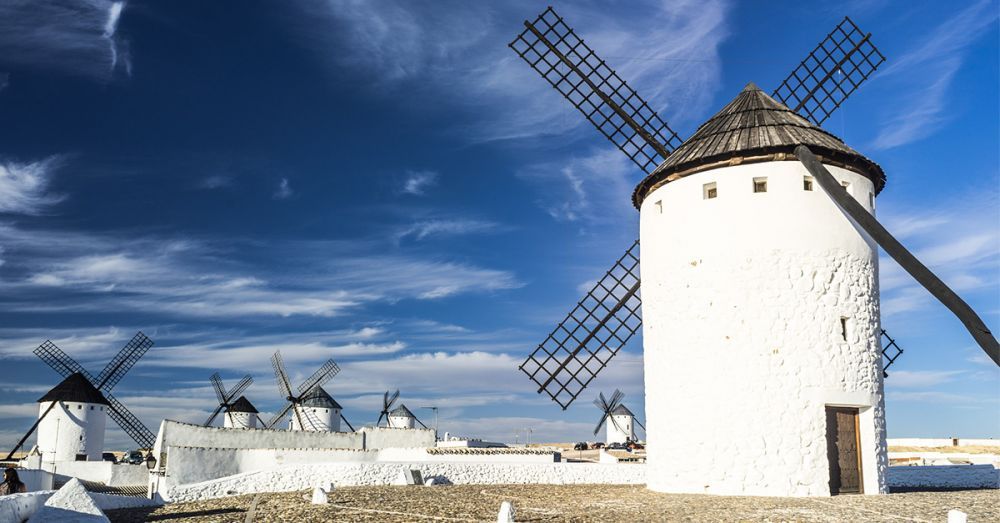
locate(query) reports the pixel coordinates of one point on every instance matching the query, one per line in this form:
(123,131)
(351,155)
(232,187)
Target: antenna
(226,399)
(594,331)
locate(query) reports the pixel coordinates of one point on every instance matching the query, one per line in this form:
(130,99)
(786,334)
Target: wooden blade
(238,389)
(123,362)
(220,390)
(279,416)
(279,375)
(973,323)
(31,430)
(211,418)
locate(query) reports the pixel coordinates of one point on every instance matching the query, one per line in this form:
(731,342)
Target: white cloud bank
(24,186)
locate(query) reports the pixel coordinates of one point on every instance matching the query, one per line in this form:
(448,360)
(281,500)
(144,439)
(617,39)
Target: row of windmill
(72,416)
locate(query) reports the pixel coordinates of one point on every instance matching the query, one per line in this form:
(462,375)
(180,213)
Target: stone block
(70,504)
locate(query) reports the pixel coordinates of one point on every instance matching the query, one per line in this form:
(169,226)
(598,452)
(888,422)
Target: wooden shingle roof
(754,128)
(242,404)
(75,388)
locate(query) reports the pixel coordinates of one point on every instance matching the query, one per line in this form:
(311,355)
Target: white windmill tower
(399,417)
(760,303)
(241,414)
(72,417)
(318,412)
(74,428)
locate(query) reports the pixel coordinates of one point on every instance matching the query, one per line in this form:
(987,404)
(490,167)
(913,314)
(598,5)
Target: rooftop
(754,128)
(242,404)
(318,397)
(75,388)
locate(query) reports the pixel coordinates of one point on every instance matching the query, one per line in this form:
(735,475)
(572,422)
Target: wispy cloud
(417,182)
(186,278)
(77,37)
(923,76)
(447,227)
(24,186)
(957,239)
(284,190)
(921,378)
(667,50)
(217,181)
(593,188)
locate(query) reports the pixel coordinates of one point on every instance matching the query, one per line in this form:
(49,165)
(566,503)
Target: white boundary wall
(291,478)
(742,301)
(943,442)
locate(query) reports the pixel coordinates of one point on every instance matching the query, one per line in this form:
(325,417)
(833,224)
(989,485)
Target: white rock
(506,514)
(319,496)
(957,516)
(70,504)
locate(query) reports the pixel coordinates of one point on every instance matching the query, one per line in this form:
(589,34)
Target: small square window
(843,328)
(659,206)
(871,200)
(709,191)
(79,407)
(845,185)
(91,407)
(760,185)
(807,184)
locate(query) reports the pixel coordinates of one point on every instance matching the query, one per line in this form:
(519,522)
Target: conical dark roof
(754,128)
(622,410)
(75,388)
(242,404)
(401,411)
(319,398)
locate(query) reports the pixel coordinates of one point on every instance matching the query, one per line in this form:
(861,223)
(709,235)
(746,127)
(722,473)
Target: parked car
(134,458)
(580,446)
(615,446)
(597,445)
(109,456)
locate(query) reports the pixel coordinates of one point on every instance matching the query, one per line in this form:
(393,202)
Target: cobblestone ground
(578,503)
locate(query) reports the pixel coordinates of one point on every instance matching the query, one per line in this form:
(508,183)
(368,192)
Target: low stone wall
(943,442)
(115,475)
(944,476)
(301,477)
(197,464)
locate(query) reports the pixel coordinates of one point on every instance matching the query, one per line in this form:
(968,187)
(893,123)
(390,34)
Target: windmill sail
(831,72)
(554,50)
(226,398)
(593,333)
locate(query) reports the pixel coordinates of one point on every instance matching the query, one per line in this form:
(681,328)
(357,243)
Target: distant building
(402,418)
(621,426)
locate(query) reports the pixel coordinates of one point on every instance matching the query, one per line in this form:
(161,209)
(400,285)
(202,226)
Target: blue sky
(387,184)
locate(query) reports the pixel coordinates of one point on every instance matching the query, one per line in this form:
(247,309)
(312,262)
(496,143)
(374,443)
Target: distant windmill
(388,400)
(73,432)
(760,295)
(620,420)
(312,408)
(228,402)
(399,417)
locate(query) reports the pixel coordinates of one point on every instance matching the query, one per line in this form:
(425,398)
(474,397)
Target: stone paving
(577,503)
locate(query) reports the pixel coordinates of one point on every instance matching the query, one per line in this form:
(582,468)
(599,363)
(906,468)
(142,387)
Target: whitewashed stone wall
(945,476)
(100,472)
(307,476)
(943,442)
(71,428)
(197,464)
(743,297)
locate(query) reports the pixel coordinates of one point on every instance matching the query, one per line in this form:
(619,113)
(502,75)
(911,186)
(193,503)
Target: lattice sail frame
(831,72)
(593,333)
(554,50)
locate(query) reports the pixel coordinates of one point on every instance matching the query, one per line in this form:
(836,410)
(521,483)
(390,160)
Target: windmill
(234,403)
(399,417)
(618,417)
(313,408)
(82,389)
(388,400)
(740,191)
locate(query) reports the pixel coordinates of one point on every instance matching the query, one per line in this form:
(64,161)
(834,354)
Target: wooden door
(843,443)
